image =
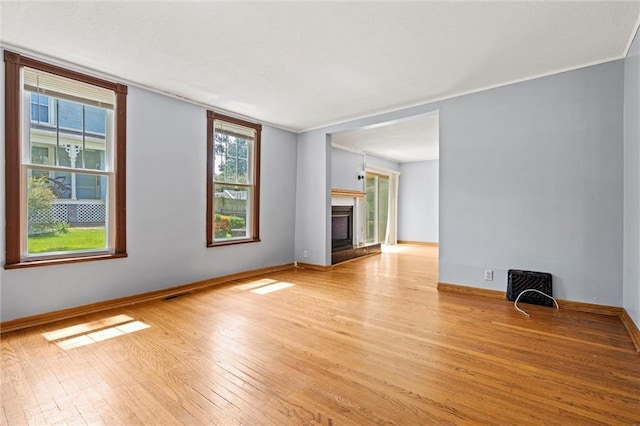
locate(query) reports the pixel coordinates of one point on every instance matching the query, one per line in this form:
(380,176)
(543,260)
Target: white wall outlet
(304,253)
(488,275)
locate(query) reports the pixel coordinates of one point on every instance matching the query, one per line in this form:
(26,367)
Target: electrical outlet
(488,275)
(304,253)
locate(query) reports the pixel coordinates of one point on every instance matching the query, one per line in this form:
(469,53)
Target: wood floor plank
(366,342)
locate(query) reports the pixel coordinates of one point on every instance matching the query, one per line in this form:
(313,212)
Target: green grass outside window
(74,239)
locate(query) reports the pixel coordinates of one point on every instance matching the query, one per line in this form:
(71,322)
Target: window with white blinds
(65,135)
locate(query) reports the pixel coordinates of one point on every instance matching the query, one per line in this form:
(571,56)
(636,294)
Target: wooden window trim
(13,63)
(255,205)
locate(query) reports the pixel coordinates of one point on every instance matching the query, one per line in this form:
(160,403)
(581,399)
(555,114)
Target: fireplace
(341,228)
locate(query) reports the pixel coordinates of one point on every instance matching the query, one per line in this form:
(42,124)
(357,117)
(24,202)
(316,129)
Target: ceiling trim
(369,114)
(428,101)
(95,73)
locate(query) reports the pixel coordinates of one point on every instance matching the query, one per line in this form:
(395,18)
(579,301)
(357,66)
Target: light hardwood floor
(370,341)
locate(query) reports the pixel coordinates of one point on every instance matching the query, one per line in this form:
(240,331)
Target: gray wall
(345,166)
(418,201)
(381,163)
(313,199)
(166,165)
(631,261)
(530,177)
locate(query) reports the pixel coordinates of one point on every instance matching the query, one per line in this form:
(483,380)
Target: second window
(233,180)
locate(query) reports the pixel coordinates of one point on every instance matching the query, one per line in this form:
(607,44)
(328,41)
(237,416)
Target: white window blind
(65,88)
(234,130)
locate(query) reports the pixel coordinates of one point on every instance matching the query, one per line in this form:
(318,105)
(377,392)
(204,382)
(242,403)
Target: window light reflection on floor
(256,283)
(264,286)
(94,331)
(272,287)
(86,327)
(388,248)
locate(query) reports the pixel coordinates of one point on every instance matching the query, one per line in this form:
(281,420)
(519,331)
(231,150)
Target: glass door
(377,207)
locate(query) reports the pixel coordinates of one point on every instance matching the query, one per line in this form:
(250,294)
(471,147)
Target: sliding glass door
(377,207)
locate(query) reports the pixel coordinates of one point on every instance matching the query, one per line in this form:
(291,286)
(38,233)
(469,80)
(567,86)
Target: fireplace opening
(341,228)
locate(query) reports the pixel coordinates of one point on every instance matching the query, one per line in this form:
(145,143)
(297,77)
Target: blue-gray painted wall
(631,260)
(166,203)
(530,177)
(418,201)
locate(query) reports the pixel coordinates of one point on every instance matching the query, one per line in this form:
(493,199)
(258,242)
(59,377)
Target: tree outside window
(233,180)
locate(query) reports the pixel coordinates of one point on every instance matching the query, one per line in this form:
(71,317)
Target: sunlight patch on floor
(264,286)
(386,248)
(99,336)
(256,283)
(86,327)
(271,288)
(94,331)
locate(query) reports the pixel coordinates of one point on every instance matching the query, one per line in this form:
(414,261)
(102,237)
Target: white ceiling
(412,139)
(308,64)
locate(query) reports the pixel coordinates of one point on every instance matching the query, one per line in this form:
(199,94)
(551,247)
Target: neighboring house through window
(233,180)
(81,143)
(65,162)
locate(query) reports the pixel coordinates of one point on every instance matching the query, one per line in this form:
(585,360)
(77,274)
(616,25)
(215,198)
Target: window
(233,180)
(65,165)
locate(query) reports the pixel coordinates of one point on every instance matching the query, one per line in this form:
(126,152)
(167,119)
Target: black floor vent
(186,293)
(518,281)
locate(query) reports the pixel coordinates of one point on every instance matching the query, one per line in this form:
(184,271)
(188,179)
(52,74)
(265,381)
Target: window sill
(64,260)
(234,242)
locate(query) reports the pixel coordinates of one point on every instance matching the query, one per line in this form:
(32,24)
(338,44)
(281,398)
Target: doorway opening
(391,169)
